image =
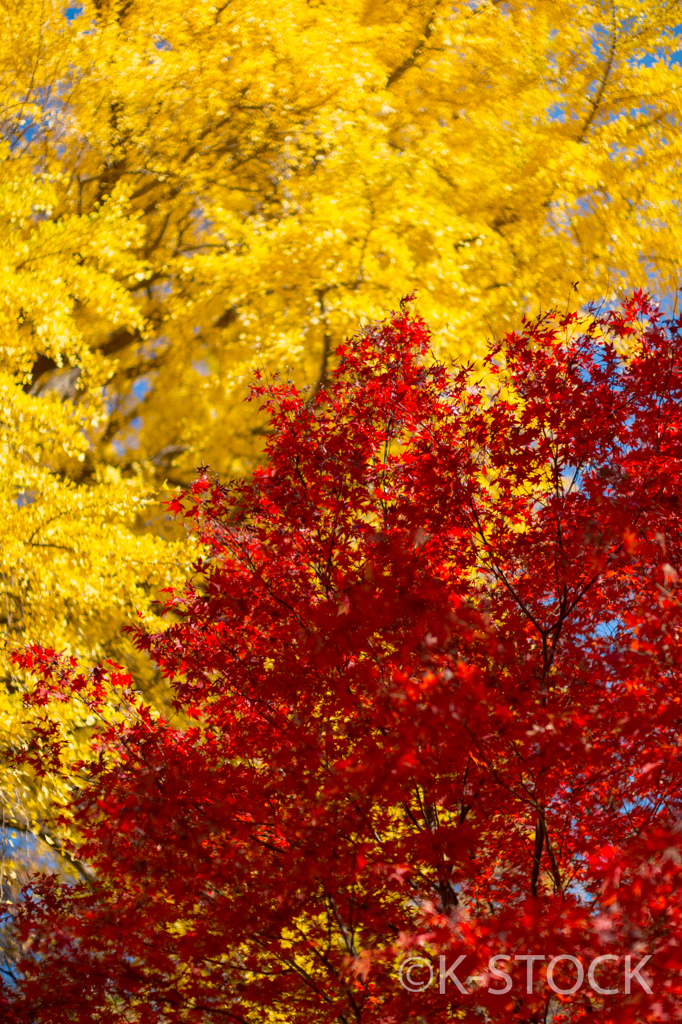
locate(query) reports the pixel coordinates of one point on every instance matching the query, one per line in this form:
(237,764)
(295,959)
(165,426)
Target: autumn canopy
(418,672)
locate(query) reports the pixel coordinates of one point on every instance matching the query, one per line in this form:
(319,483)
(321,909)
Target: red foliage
(433,666)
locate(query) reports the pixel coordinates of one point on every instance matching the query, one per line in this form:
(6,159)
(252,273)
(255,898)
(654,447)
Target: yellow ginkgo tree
(75,556)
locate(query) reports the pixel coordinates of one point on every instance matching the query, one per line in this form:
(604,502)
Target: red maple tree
(431,666)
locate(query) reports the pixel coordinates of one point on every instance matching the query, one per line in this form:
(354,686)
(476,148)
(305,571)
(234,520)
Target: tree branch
(416,52)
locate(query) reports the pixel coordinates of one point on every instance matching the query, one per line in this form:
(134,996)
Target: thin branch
(416,52)
(596,102)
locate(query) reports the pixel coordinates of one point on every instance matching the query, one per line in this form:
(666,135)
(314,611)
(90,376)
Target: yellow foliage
(189,189)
